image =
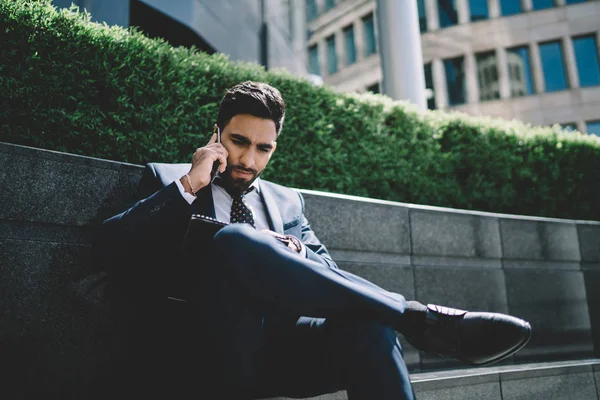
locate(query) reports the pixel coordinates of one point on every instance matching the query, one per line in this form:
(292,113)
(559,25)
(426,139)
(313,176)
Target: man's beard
(237,184)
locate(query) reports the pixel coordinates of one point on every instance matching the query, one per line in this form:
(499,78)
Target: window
(331,55)
(542,4)
(569,126)
(593,127)
(374,88)
(479,10)
(510,7)
(429,89)
(311,10)
(447,13)
(553,66)
(455,80)
(487,75)
(575,1)
(422,15)
(519,71)
(349,47)
(369,35)
(313,60)
(329,4)
(586,56)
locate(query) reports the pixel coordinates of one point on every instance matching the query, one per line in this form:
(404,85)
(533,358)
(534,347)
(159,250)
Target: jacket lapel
(273,213)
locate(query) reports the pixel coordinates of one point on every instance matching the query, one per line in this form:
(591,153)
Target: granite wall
(52,323)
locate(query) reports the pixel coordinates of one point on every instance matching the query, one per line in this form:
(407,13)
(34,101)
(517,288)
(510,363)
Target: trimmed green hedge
(71,85)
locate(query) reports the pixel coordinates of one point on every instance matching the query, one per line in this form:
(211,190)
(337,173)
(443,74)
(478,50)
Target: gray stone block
(589,241)
(54,329)
(454,234)
(348,224)
(541,264)
(466,288)
(364,257)
(559,241)
(43,186)
(597,378)
(592,285)
(521,239)
(572,386)
(482,391)
(441,261)
(393,278)
(39,231)
(554,302)
(524,239)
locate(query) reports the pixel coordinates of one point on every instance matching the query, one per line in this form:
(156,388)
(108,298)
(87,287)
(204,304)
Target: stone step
(568,380)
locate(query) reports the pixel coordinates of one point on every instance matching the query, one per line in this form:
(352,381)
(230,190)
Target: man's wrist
(187,185)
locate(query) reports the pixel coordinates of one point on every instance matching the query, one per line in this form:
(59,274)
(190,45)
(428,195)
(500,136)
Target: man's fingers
(213,139)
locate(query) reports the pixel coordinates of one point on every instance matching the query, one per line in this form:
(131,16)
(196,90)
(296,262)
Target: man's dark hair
(254,98)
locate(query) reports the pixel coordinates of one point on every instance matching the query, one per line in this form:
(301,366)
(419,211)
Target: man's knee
(235,236)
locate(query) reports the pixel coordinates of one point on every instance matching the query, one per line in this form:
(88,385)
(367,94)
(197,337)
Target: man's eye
(263,150)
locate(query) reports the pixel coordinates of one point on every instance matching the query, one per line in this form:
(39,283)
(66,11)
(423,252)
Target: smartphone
(216,164)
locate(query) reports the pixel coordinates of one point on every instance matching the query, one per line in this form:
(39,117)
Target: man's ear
(274,147)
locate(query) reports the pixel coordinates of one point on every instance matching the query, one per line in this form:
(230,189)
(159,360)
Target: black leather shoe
(475,338)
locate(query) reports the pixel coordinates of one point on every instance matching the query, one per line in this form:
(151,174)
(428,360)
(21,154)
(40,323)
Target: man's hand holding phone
(200,174)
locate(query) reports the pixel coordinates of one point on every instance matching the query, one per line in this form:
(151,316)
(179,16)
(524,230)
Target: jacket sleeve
(137,243)
(315,250)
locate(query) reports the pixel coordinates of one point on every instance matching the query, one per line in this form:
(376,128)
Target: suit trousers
(277,324)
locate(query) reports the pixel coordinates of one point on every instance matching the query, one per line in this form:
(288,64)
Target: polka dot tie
(240,212)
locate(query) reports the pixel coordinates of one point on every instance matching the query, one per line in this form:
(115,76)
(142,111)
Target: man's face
(250,142)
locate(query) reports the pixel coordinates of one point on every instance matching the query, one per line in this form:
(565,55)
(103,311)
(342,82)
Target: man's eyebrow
(245,140)
(241,138)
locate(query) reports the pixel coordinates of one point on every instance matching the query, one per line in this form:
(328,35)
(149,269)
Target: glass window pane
(422,15)
(541,4)
(455,80)
(329,4)
(374,88)
(313,59)
(569,126)
(576,1)
(479,9)
(593,128)
(510,7)
(311,9)
(429,89)
(331,55)
(447,13)
(487,73)
(349,47)
(553,67)
(369,35)
(519,71)
(586,56)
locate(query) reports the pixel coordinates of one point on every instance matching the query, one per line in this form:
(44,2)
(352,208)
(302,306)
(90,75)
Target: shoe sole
(507,354)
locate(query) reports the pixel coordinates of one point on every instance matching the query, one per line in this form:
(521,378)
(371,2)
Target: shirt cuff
(187,196)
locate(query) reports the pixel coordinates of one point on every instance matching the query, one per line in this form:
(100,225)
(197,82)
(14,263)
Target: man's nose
(247,159)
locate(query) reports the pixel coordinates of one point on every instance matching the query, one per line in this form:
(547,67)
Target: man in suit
(265,306)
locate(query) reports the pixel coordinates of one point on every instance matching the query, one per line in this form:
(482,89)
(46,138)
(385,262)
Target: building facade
(532,60)
(269,32)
